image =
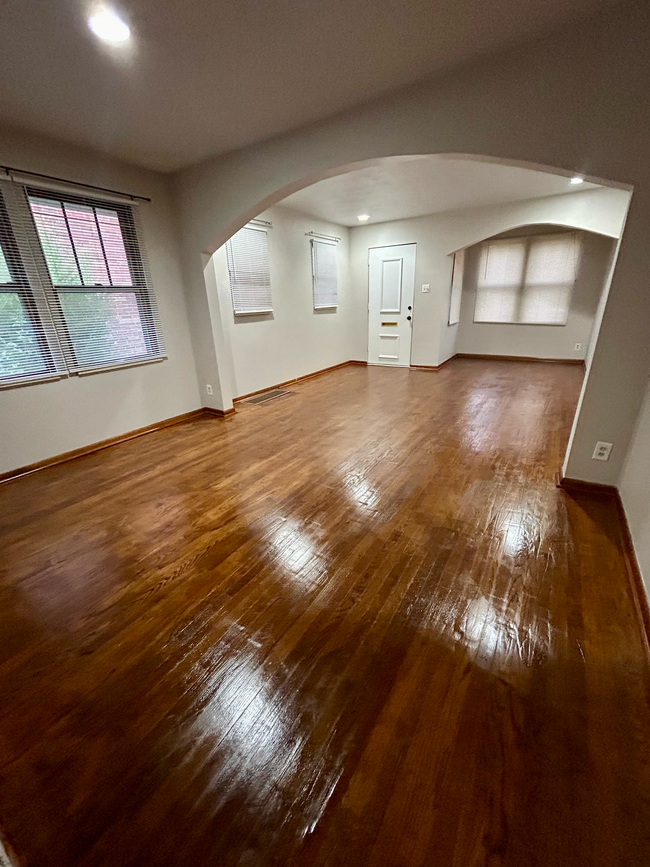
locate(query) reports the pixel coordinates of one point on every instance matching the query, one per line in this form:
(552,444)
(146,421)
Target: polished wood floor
(355,626)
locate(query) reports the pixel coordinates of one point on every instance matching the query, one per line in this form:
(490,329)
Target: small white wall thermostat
(426,287)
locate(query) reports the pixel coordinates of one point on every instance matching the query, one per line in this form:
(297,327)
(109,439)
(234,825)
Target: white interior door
(391,282)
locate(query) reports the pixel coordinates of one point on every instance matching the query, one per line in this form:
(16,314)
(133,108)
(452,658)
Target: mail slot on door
(388,323)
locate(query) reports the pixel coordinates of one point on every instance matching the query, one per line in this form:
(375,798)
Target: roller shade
(551,271)
(527,280)
(248,269)
(324,274)
(501,269)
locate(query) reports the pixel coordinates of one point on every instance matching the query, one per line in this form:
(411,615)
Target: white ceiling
(205,76)
(397,188)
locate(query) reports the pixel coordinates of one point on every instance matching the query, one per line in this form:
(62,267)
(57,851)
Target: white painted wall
(576,100)
(635,489)
(539,341)
(39,421)
(295,339)
(439,235)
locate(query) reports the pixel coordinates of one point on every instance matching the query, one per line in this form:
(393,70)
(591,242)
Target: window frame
(456,287)
(231,265)
(139,287)
(324,242)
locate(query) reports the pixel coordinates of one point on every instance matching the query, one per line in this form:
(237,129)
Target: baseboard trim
(193,415)
(434,366)
(635,581)
(488,357)
(585,487)
(218,413)
(298,379)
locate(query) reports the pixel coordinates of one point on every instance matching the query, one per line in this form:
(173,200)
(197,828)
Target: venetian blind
(324,273)
(248,268)
(98,283)
(29,346)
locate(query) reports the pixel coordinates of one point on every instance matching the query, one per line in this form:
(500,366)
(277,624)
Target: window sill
(251,312)
(528,324)
(108,368)
(32,380)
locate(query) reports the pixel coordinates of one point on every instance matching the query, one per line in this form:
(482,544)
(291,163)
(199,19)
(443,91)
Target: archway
(583,215)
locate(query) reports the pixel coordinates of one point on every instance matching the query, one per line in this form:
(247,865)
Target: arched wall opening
(580,218)
(599,211)
(552,103)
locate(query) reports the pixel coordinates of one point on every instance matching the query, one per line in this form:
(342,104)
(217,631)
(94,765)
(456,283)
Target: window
(101,300)
(527,280)
(75,292)
(455,295)
(28,344)
(248,268)
(324,274)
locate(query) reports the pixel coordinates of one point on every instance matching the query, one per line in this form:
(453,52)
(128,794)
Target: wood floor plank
(358,626)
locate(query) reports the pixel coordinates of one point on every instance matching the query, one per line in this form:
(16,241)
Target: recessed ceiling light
(576,179)
(363,217)
(109,26)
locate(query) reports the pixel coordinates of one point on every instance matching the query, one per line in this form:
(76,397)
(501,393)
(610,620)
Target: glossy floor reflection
(357,626)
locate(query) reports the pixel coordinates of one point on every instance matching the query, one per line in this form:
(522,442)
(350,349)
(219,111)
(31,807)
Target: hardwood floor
(354,626)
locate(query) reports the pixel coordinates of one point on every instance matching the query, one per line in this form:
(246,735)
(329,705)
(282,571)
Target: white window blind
(501,269)
(29,346)
(248,268)
(76,291)
(100,293)
(324,273)
(550,274)
(527,280)
(458,269)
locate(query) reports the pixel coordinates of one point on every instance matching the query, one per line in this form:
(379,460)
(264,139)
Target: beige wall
(39,421)
(539,341)
(260,351)
(295,339)
(437,236)
(635,489)
(562,102)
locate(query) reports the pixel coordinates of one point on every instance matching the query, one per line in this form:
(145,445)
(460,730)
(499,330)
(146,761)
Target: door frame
(384,247)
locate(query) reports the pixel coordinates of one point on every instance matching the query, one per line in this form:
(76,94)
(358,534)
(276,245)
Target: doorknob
(409,318)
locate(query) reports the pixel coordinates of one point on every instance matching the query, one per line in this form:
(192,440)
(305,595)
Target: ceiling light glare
(107,25)
(363,217)
(576,179)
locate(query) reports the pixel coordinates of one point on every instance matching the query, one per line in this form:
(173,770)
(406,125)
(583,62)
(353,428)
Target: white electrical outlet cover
(602,451)
(578,346)
(208,388)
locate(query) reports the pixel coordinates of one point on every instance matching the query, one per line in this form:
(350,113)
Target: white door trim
(391,347)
